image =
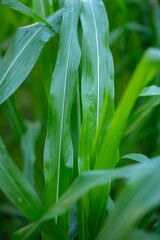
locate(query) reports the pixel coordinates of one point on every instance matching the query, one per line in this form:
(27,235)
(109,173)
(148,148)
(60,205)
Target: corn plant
(80,137)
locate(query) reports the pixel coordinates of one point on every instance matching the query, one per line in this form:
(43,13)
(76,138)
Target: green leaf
(43,7)
(144,235)
(156,12)
(58,153)
(145,71)
(61,3)
(22,231)
(137,157)
(107,157)
(14,117)
(141,114)
(11,210)
(131,26)
(97,76)
(88,180)
(110,205)
(139,196)
(28,141)
(97,81)
(16,187)
(19,191)
(115,34)
(136,27)
(20,7)
(23,53)
(75,126)
(150,91)
(49,228)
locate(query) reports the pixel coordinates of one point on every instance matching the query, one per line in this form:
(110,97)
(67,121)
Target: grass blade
(137,157)
(19,191)
(75,127)
(97,75)
(150,91)
(16,187)
(14,117)
(49,228)
(97,81)
(26,53)
(107,157)
(88,180)
(58,153)
(144,72)
(20,7)
(137,198)
(28,150)
(42,7)
(141,114)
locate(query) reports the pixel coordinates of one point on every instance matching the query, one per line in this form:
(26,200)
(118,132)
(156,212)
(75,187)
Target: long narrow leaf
(107,157)
(144,72)
(19,191)
(20,7)
(23,53)
(42,7)
(150,91)
(97,81)
(137,198)
(28,150)
(141,114)
(14,117)
(97,76)
(137,157)
(16,187)
(85,182)
(58,153)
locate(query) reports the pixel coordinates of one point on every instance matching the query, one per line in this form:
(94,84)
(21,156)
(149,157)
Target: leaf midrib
(62,114)
(97,48)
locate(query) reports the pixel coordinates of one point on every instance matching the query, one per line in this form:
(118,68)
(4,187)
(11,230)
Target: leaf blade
(26,53)
(58,153)
(20,7)
(91,179)
(137,198)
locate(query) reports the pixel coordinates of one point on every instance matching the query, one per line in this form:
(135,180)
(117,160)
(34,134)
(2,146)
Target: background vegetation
(134,27)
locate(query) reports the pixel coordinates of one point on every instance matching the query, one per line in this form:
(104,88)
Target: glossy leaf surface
(18,6)
(97,81)
(23,53)
(88,180)
(58,153)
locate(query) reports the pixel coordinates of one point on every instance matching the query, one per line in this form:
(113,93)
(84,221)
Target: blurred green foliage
(134,26)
